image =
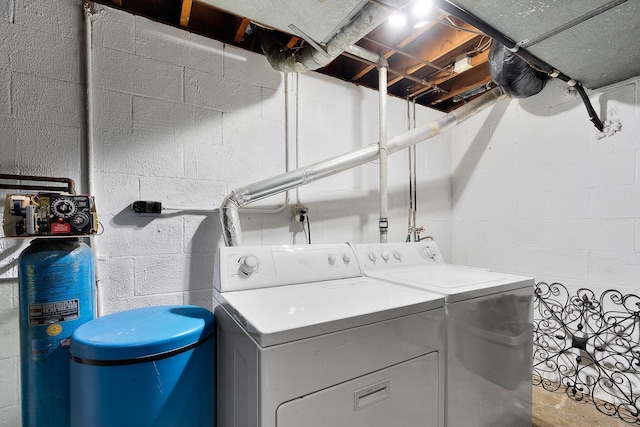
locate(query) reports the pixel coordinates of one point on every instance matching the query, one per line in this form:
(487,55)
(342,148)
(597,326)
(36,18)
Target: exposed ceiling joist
(242,28)
(420,59)
(185,12)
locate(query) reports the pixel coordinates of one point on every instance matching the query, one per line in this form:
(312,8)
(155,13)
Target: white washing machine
(489,323)
(305,340)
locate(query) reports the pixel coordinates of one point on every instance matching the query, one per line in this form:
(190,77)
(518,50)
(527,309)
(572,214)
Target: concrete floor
(555,409)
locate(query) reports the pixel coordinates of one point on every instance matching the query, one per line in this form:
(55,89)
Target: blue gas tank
(57,294)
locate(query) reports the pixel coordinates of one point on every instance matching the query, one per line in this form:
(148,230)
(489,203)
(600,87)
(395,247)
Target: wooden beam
(117,2)
(464,82)
(400,45)
(292,42)
(432,54)
(241,30)
(439,78)
(185,13)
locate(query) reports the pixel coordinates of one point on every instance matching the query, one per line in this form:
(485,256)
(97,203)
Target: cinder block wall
(184,120)
(536,192)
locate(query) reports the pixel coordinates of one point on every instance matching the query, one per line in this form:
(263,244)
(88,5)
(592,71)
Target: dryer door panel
(403,395)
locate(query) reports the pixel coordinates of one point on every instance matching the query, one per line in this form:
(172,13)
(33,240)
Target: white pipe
(285,203)
(414,180)
(231,227)
(410,225)
(383,221)
(89,155)
(297,130)
(88,183)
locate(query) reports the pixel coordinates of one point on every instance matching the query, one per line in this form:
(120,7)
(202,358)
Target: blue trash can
(148,367)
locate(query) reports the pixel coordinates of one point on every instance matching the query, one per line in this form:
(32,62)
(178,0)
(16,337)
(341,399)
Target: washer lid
(288,313)
(456,283)
(141,332)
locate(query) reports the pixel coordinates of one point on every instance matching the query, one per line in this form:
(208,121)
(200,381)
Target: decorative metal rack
(589,345)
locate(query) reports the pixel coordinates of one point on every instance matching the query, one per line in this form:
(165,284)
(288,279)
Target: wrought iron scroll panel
(590,345)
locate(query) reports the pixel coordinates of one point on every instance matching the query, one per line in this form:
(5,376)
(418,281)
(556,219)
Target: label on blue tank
(60,311)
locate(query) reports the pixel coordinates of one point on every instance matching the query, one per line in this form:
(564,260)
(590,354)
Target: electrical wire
(450,23)
(481,47)
(307,235)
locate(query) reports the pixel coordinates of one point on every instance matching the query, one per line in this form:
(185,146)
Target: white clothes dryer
(489,323)
(305,340)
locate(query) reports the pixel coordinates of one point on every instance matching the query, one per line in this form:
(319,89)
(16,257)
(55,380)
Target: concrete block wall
(534,191)
(184,120)
(524,187)
(41,110)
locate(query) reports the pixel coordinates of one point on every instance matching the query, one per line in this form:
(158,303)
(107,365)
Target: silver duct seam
(229,208)
(308,58)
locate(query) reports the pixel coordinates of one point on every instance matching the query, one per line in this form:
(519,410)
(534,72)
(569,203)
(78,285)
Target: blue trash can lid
(141,332)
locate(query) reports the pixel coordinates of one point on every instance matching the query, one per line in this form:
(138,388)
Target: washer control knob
(249,264)
(385,255)
(397,255)
(372,256)
(346,258)
(332,259)
(430,253)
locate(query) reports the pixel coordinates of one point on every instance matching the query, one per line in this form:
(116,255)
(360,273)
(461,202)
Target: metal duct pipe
(230,206)
(367,55)
(309,58)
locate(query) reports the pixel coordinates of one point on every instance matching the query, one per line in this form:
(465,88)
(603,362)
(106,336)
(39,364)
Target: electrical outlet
(299,213)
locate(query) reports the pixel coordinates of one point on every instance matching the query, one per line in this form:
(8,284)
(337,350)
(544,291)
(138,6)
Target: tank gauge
(81,220)
(63,207)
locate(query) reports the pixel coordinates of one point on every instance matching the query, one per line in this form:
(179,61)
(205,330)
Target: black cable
(462,14)
(308,228)
(593,116)
(307,236)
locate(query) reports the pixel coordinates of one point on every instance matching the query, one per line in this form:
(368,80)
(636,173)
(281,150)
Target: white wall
(184,120)
(535,192)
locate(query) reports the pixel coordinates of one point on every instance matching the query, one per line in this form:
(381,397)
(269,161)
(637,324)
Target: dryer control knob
(249,265)
(372,256)
(332,259)
(346,258)
(430,253)
(385,255)
(397,255)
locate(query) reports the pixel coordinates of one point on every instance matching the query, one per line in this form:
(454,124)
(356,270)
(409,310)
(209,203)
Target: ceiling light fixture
(398,20)
(421,9)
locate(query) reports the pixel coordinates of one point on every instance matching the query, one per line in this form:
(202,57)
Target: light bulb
(398,20)
(421,8)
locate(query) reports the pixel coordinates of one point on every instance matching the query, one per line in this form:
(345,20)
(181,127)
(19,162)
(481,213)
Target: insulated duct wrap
(513,74)
(309,58)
